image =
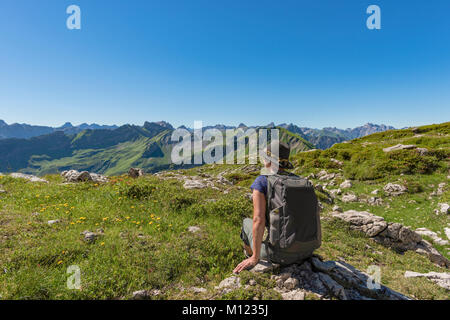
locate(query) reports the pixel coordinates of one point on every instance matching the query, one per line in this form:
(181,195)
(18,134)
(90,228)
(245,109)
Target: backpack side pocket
(274,229)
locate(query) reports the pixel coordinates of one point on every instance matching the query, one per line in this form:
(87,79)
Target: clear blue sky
(313,63)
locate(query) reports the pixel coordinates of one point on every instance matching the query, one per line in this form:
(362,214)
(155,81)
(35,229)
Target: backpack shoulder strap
(272,180)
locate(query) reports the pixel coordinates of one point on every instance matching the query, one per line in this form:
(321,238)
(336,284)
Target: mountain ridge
(106,151)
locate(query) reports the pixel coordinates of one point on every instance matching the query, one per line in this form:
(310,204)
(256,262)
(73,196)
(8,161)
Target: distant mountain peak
(3,123)
(66,125)
(164,124)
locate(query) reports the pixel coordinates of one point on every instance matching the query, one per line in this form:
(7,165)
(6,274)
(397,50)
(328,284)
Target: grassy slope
(134,254)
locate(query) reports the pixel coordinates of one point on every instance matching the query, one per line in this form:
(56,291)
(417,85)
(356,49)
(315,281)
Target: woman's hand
(246,264)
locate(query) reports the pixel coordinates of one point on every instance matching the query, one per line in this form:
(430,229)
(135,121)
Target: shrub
(413,186)
(138,191)
(410,162)
(181,201)
(237,177)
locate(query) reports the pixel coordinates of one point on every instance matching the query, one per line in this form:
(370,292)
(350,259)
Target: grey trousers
(247,237)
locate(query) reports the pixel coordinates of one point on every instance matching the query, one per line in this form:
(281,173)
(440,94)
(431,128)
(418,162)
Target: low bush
(137,191)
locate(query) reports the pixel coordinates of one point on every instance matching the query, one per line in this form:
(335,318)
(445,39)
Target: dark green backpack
(293,217)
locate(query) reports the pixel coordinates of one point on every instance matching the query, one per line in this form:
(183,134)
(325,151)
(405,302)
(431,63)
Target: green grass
(133,254)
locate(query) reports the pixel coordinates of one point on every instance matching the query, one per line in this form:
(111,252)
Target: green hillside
(109,152)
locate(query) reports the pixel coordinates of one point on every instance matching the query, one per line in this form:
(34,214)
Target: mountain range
(26,131)
(113,150)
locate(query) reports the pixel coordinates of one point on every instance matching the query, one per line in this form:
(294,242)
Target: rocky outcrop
(28,177)
(364,221)
(76,176)
(52,222)
(145,294)
(392,189)
(392,235)
(135,172)
(229,284)
(335,192)
(194,184)
(433,235)
(349,198)
(346,184)
(323,175)
(194,229)
(400,147)
(323,279)
(375,201)
(444,207)
(90,236)
(441,279)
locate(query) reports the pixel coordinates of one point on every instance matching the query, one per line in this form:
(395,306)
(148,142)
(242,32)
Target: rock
(263,267)
(28,177)
(322,173)
(443,207)
(349,198)
(291,283)
(135,172)
(441,279)
(422,151)
(198,290)
(311,176)
(440,190)
(293,295)
(89,236)
(318,187)
(447,232)
(346,282)
(2,191)
(230,283)
(252,282)
(141,295)
(76,176)
(375,201)
(375,192)
(284,276)
(335,288)
(98,178)
(346,184)
(335,192)
(224,181)
(364,221)
(425,248)
(393,235)
(194,229)
(51,222)
(433,235)
(339,163)
(392,189)
(194,184)
(327,176)
(337,209)
(327,279)
(399,147)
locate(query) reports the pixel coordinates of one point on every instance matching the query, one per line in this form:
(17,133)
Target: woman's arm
(259,223)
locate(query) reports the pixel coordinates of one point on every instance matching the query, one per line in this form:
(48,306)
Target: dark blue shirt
(260,184)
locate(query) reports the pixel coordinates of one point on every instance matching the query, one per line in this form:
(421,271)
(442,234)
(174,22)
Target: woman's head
(276,156)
